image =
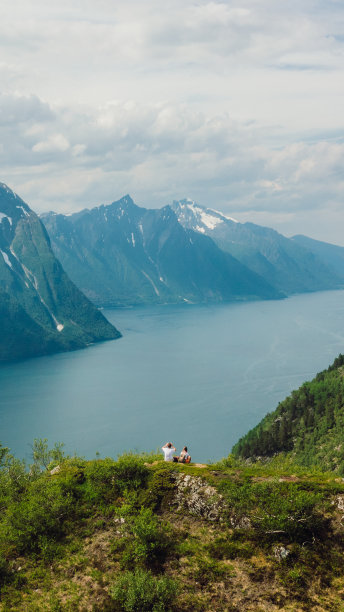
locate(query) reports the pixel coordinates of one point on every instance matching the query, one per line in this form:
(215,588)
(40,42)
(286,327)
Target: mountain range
(41,310)
(123,254)
(290,265)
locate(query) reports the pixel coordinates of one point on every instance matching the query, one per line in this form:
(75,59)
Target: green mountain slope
(309,424)
(41,310)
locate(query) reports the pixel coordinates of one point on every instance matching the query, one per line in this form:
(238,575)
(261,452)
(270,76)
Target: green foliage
(272,508)
(43,457)
(159,488)
(140,591)
(207,571)
(100,484)
(309,423)
(146,541)
(130,472)
(39,516)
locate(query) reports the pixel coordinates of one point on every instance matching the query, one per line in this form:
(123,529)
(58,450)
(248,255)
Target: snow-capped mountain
(196,217)
(283,262)
(41,310)
(123,254)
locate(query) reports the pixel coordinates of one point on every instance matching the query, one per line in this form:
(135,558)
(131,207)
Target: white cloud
(236,105)
(55,143)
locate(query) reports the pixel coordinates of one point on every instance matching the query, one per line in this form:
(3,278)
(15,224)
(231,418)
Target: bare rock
(281,553)
(197,497)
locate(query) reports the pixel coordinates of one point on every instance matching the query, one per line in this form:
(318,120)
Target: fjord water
(195,375)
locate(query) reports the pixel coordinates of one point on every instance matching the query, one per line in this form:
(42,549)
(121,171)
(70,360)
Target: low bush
(278,509)
(140,591)
(100,483)
(146,542)
(130,472)
(40,516)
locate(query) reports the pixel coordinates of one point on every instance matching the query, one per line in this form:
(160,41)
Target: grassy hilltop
(137,534)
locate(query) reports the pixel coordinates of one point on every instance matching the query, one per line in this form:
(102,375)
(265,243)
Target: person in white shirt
(168,449)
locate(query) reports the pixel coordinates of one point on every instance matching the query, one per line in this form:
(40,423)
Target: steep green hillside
(41,310)
(309,424)
(140,535)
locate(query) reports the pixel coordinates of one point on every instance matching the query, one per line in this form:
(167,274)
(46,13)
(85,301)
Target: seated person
(184,456)
(168,449)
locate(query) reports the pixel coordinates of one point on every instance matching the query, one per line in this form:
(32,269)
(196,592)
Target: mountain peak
(11,205)
(197,217)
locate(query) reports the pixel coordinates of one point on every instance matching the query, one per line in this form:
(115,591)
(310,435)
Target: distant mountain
(122,254)
(308,424)
(330,254)
(41,310)
(286,264)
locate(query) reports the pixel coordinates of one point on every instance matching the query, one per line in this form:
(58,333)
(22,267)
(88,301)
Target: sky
(236,105)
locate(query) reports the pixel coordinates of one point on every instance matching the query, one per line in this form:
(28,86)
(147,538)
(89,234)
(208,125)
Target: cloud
(236,105)
(69,160)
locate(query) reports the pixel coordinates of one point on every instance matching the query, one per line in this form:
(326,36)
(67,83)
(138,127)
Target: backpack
(187,459)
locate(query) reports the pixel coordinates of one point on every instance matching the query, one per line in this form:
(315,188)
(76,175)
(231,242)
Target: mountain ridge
(123,254)
(286,264)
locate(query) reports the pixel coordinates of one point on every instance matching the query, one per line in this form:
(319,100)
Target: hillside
(308,425)
(41,310)
(122,254)
(141,535)
(331,254)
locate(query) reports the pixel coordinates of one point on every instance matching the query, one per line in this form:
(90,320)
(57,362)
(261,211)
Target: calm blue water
(194,375)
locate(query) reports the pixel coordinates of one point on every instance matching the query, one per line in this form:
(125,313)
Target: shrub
(39,516)
(159,488)
(130,472)
(274,508)
(45,458)
(100,486)
(145,542)
(140,591)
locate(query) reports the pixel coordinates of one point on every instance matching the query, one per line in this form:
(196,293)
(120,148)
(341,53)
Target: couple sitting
(168,450)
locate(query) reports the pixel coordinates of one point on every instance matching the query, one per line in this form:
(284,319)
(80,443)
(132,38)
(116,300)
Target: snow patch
(3,216)
(7,261)
(133,239)
(229,218)
(198,228)
(150,280)
(209,221)
(24,211)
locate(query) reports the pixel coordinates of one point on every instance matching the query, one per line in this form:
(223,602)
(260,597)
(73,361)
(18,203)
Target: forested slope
(309,424)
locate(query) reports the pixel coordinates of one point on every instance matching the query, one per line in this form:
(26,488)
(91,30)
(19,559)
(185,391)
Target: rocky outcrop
(197,497)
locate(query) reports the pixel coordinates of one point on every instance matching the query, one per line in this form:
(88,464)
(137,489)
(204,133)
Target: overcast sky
(238,106)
